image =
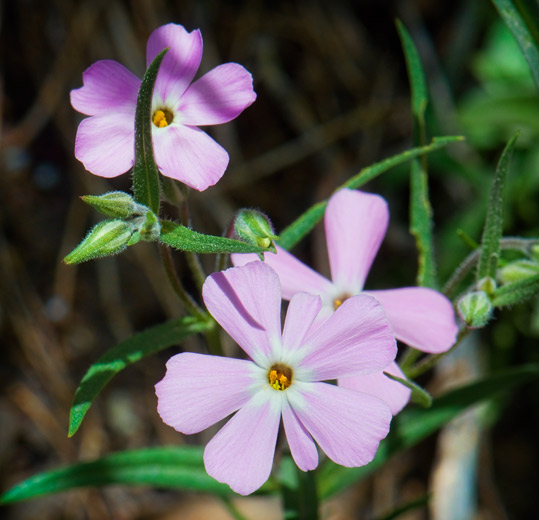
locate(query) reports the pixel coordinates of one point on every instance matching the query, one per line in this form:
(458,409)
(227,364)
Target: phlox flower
(105,142)
(355,224)
(282,378)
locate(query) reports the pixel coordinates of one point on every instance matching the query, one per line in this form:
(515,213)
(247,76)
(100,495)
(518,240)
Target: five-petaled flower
(105,141)
(355,224)
(283,377)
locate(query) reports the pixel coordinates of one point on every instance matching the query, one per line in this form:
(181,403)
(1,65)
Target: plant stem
(428,362)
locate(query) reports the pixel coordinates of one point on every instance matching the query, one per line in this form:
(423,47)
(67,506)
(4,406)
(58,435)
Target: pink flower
(356,223)
(281,378)
(105,141)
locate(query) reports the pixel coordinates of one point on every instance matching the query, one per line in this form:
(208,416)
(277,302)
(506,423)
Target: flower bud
(254,227)
(107,238)
(475,309)
(517,270)
(116,204)
(150,228)
(487,285)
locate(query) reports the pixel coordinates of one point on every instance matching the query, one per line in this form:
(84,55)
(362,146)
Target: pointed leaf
(303,224)
(419,394)
(172,467)
(524,34)
(185,239)
(126,353)
(414,424)
(492,232)
(145,172)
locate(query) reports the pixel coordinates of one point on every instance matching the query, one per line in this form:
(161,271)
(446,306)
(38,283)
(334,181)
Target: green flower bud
(150,228)
(518,270)
(487,285)
(107,238)
(475,309)
(254,227)
(116,204)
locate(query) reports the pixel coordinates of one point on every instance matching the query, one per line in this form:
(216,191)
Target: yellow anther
(162,118)
(280,377)
(336,303)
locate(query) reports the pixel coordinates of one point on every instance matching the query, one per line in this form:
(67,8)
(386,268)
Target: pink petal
(378,384)
(108,88)
(300,442)
(246,301)
(189,155)
(356,339)
(241,454)
(295,276)
(198,391)
(421,317)
(347,425)
(180,63)
(300,315)
(217,97)
(106,144)
(356,224)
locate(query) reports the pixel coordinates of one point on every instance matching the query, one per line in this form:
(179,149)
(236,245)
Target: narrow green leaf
(515,22)
(516,292)
(126,353)
(145,172)
(185,239)
(492,232)
(420,208)
(419,394)
(303,224)
(414,424)
(172,467)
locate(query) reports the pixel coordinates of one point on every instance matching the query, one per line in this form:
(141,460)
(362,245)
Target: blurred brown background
(333,97)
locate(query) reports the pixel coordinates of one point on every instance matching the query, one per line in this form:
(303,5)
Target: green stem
(410,356)
(427,363)
(232,509)
(188,302)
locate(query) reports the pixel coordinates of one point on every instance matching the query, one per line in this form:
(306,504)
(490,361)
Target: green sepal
(254,227)
(115,204)
(145,172)
(419,395)
(185,239)
(517,270)
(107,238)
(475,309)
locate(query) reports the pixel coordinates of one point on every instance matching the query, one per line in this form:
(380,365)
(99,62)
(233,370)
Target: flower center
(280,376)
(337,302)
(162,117)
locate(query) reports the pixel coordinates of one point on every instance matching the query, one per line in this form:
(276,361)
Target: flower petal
(347,425)
(189,155)
(356,223)
(241,454)
(300,442)
(302,311)
(217,97)
(198,391)
(106,144)
(180,63)
(108,88)
(356,339)
(246,301)
(378,384)
(295,276)
(421,317)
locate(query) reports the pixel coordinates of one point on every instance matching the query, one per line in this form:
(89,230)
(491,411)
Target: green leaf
(415,424)
(419,394)
(185,239)
(303,224)
(145,172)
(126,353)
(420,208)
(172,467)
(492,232)
(516,23)
(516,292)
